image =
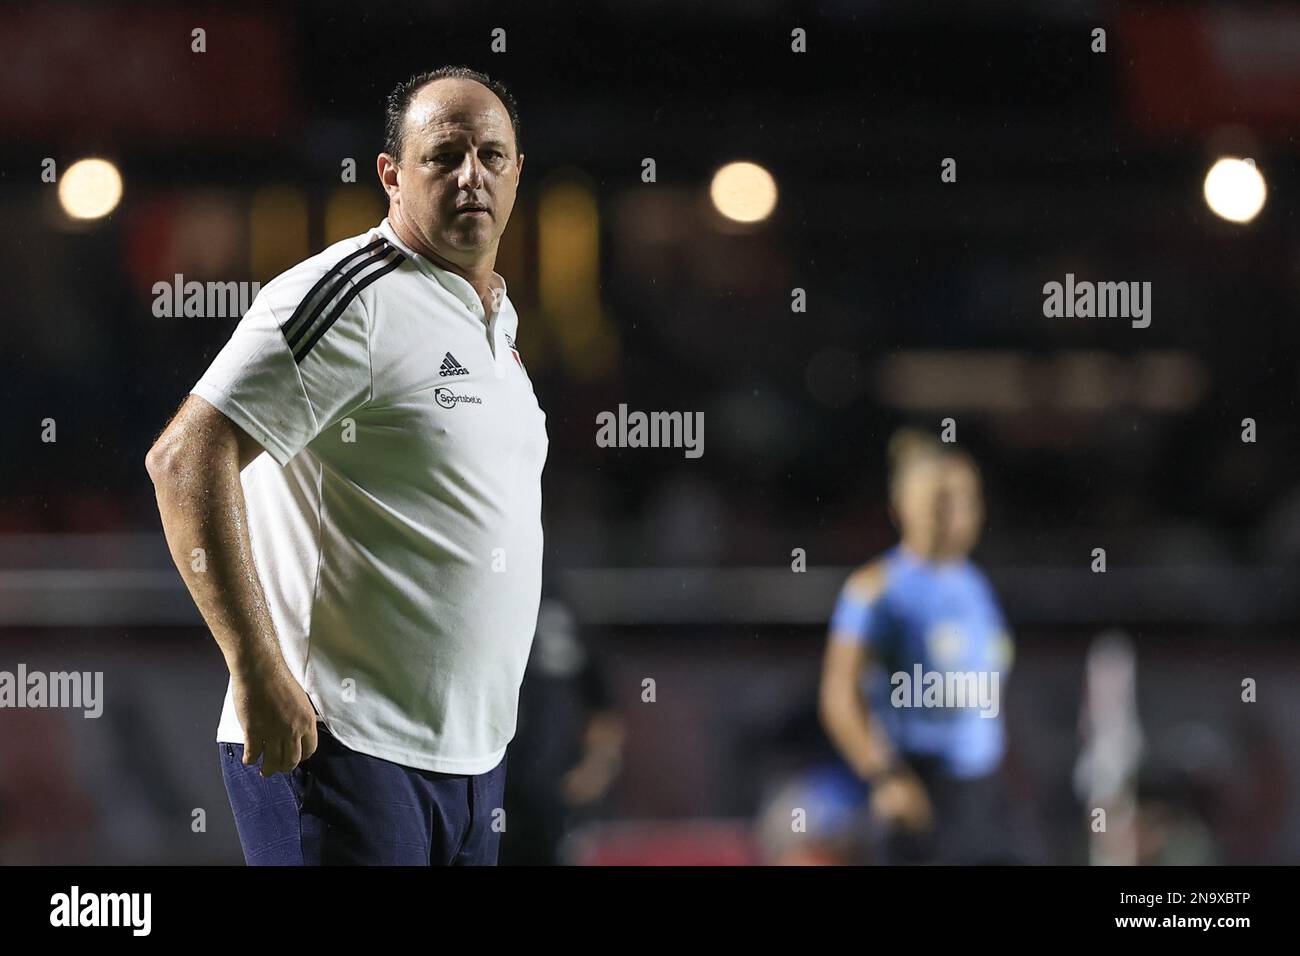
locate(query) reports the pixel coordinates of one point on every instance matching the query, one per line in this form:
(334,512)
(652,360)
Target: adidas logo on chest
(451,367)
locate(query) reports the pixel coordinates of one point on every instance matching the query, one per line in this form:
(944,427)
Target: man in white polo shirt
(373,580)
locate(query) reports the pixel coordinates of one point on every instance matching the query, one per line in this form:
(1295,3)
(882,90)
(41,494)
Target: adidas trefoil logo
(451,367)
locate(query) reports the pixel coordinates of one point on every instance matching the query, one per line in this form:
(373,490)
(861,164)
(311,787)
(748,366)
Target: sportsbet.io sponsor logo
(58,689)
(449,399)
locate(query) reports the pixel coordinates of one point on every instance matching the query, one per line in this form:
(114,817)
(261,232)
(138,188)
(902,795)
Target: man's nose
(471,173)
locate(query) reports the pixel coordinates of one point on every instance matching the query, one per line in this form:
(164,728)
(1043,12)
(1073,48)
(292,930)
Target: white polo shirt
(396,521)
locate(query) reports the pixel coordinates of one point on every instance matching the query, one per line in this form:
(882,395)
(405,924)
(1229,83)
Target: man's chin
(469,240)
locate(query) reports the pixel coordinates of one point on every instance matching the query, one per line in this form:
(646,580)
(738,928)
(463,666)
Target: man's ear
(520,170)
(386,169)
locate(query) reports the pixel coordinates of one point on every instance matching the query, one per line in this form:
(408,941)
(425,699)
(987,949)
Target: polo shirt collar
(457,285)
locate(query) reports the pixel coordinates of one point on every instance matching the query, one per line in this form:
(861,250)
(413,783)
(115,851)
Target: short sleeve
(297,362)
(856,615)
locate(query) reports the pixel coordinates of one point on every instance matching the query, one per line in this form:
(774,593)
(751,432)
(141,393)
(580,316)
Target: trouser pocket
(300,785)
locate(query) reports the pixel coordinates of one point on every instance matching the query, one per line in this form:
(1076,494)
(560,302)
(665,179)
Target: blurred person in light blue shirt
(914,672)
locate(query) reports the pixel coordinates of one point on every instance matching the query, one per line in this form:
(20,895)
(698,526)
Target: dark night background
(924,303)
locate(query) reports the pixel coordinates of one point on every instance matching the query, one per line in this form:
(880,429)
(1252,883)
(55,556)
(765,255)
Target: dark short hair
(400,100)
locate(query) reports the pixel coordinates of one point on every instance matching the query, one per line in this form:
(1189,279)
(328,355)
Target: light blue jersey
(938,624)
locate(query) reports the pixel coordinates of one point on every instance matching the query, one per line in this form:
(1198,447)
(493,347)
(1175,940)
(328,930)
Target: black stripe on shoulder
(342,304)
(333,291)
(295,324)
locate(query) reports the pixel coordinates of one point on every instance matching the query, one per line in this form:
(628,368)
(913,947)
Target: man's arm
(896,792)
(845,715)
(195,466)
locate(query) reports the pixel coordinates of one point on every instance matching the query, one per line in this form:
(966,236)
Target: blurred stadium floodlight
(1234,189)
(568,273)
(743,192)
(278,230)
(90,189)
(1106,773)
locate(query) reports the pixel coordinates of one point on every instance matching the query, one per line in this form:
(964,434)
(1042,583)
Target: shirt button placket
(498,347)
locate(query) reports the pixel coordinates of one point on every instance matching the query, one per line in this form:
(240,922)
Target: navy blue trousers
(340,807)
